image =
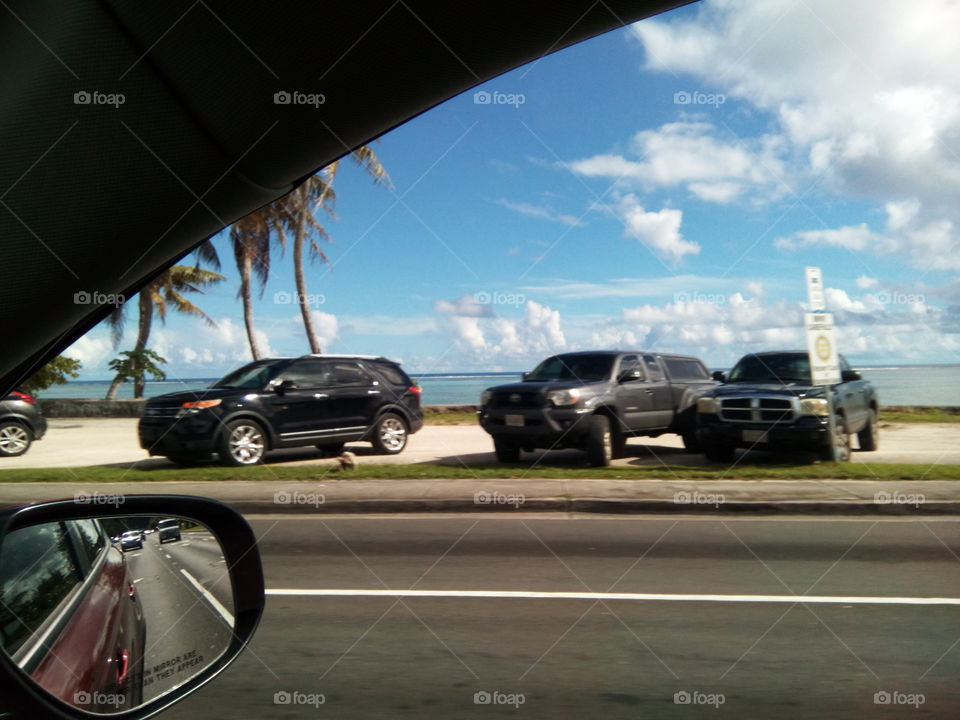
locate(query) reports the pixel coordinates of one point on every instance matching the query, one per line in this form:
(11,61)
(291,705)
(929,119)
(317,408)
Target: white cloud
(864,109)
(865,283)
(690,154)
(658,230)
(92,351)
(543,213)
(539,331)
(464,306)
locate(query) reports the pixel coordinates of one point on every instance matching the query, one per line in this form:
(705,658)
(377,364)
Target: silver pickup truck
(595,401)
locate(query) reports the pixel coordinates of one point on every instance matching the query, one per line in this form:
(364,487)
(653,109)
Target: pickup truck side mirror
(850,375)
(630,375)
(719,376)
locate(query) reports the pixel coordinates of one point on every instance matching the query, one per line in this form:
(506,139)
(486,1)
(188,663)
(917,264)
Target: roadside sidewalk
(836,497)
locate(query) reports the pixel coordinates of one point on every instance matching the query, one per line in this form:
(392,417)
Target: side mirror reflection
(109,613)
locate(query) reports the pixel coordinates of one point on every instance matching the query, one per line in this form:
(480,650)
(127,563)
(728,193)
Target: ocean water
(896,385)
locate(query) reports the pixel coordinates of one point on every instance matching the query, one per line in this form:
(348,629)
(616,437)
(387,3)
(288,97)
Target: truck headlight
(485,397)
(814,406)
(708,405)
(561,398)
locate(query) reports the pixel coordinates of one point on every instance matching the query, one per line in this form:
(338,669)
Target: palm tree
(136,365)
(165,292)
(297,211)
(251,237)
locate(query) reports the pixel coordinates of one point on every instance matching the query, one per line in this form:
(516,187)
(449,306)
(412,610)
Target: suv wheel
(507,452)
(836,448)
(599,441)
(390,434)
(242,443)
(15,439)
(869,437)
(719,453)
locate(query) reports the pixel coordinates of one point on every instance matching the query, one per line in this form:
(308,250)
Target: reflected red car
(70,616)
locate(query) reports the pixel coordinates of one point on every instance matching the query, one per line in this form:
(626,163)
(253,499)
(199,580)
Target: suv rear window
(392,373)
(686,369)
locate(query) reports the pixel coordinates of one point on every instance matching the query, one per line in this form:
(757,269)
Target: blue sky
(662,186)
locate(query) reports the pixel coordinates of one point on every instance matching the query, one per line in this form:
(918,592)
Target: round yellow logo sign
(823,347)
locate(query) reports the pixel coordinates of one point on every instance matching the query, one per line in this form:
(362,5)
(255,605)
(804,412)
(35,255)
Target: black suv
(321,400)
(595,401)
(20,423)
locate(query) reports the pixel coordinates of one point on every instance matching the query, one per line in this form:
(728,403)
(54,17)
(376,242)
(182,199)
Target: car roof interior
(99,198)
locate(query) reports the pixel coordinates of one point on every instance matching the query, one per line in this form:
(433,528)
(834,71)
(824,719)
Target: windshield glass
(793,368)
(249,377)
(573,367)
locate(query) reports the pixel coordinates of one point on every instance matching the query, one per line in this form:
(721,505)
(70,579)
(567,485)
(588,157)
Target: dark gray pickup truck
(768,402)
(594,401)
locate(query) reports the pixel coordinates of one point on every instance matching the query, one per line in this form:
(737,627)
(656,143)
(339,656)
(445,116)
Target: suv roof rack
(352,357)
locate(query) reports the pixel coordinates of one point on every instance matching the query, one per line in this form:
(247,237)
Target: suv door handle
(373,392)
(648,391)
(320,396)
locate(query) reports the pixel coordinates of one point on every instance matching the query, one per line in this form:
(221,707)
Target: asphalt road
(113,441)
(623,617)
(187,627)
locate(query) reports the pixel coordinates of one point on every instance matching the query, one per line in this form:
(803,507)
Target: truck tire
(718,452)
(691,442)
(599,441)
(836,448)
(869,437)
(507,452)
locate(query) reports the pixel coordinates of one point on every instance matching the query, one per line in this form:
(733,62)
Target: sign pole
(822,349)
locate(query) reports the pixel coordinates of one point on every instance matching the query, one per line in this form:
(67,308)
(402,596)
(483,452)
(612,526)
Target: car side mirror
(850,375)
(629,376)
(283,386)
(719,376)
(92,628)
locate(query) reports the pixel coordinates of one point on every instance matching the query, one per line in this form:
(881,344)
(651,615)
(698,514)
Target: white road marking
(670,597)
(224,613)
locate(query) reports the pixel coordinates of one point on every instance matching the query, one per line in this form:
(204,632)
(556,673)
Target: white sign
(815,297)
(822,349)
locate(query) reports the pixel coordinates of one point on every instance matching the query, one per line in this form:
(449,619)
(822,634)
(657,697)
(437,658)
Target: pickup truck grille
(758,409)
(508,400)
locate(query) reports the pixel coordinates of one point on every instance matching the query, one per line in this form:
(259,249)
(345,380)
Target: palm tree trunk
(114,387)
(301,282)
(245,270)
(144,324)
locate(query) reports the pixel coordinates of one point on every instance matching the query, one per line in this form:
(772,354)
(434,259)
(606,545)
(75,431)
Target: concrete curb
(591,505)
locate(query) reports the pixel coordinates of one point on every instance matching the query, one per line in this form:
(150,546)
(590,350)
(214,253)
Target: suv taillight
(23,396)
(416,390)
